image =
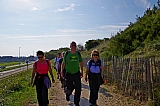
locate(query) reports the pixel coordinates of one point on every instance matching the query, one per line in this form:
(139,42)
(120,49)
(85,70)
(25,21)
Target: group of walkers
(69,69)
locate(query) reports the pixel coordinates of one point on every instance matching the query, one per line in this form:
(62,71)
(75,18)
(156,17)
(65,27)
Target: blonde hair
(94,51)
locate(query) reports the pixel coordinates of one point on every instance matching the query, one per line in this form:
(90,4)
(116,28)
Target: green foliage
(145,29)
(53,53)
(92,43)
(16,89)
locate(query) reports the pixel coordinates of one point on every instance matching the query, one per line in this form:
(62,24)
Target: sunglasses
(40,57)
(95,55)
(73,45)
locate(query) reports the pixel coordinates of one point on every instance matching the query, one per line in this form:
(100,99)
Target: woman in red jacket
(42,81)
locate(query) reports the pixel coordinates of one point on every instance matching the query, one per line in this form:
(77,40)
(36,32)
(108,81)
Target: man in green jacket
(73,64)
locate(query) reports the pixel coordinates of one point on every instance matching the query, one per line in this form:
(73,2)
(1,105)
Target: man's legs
(69,85)
(77,82)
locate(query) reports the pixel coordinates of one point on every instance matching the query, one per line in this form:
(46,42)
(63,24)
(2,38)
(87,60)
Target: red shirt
(42,68)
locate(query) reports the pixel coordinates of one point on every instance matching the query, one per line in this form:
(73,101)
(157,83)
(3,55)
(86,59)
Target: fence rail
(138,77)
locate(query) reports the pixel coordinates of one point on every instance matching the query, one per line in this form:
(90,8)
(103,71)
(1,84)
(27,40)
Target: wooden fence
(139,77)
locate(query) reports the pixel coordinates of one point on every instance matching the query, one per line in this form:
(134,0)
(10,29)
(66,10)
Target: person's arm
(81,67)
(50,71)
(102,66)
(86,77)
(81,64)
(62,68)
(33,74)
(54,64)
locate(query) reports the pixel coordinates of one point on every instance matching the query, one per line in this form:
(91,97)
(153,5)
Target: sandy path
(106,97)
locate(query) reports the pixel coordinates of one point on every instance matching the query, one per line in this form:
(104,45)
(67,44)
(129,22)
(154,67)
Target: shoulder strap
(56,59)
(47,62)
(35,65)
(90,63)
(66,54)
(99,61)
(78,53)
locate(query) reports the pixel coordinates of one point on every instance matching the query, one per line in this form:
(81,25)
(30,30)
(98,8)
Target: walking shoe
(93,104)
(67,98)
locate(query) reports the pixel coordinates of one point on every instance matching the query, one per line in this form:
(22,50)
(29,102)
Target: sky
(27,26)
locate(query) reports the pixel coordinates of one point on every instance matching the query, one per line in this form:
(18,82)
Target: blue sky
(50,24)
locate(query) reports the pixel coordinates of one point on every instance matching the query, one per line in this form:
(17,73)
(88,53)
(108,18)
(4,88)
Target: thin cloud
(143,3)
(73,30)
(3,31)
(21,24)
(35,9)
(70,7)
(113,26)
(81,14)
(23,4)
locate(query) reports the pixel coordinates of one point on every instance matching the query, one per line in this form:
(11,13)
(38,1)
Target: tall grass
(15,89)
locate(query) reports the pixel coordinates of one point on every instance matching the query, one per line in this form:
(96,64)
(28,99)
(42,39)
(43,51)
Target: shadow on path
(101,90)
(83,102)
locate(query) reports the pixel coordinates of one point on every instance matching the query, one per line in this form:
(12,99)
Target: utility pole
(19,55)
(33,53)
(19,51)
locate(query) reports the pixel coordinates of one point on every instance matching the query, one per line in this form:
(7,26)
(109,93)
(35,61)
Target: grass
(10,68)
(8,63)
(15,90)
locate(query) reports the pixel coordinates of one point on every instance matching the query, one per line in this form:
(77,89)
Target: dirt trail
(106,97)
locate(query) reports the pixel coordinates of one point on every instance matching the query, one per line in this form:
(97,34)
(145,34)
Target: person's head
(73,45)
(95,54)
(40,55)
(59,55)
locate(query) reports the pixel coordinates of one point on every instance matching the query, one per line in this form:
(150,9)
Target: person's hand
(62,76)
(54,67)
(86,79)
(81,75)
(53,81)
(31,83)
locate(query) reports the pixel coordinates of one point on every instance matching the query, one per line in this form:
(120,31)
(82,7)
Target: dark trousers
(42,92)
(73,81)
(94,87)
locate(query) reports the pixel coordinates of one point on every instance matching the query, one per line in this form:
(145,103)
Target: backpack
(98,63)
(67,55)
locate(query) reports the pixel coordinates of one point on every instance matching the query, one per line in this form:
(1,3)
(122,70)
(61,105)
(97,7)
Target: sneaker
(93,104)
(67,98)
